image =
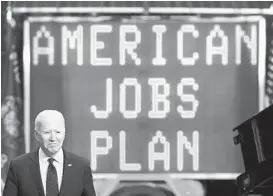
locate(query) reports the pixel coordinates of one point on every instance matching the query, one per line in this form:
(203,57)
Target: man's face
(51,135)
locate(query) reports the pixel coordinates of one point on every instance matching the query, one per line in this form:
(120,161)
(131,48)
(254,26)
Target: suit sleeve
(11,185)
(88,183)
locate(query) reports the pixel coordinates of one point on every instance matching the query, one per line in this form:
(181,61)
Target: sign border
(141,10)
(136,176)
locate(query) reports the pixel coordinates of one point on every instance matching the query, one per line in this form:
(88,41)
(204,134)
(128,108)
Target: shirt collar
(59,156)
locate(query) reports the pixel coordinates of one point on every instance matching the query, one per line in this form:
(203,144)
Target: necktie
(51,180)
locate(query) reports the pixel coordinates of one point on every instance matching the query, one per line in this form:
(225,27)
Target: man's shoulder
(76,158)
(24,156)
(22,159)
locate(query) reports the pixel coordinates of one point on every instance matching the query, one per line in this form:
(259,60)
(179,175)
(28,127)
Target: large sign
(146,96)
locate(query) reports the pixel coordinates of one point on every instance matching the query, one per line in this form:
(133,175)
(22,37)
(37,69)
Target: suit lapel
(67,174)
(35,172)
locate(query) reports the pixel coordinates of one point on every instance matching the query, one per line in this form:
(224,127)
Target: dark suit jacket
(24,178)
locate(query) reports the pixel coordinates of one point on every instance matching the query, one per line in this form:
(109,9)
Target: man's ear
(36,134)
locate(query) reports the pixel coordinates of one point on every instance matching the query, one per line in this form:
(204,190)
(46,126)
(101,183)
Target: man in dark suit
(50,171)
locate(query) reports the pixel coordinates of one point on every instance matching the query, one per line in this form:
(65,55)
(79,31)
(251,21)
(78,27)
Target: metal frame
(141,10)
(139,176)
(160,176)
(187,10)
(261,63)
(26,71)
(79,10)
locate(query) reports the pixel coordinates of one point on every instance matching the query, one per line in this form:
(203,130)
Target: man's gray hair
(47,114)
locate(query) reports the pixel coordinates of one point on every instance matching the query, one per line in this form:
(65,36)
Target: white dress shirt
(58,163)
